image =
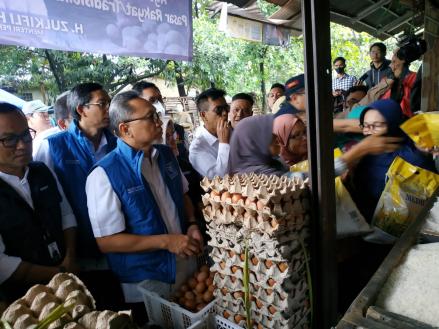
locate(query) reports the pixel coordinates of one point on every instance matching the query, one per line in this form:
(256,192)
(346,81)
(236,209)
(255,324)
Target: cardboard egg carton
(298,320)
(267,189)
(284,247)
(233,263)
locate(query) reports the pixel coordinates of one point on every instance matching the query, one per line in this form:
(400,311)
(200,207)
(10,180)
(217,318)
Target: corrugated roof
(380,18)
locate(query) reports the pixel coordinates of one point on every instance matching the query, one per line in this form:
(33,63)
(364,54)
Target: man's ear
(123,129)
(203,116)
(80,111)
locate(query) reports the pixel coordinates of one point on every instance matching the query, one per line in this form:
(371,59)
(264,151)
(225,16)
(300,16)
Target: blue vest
(73,156)
(123,167)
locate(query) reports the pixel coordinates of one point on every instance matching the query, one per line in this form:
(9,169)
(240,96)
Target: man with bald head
(37,225)
(140,213)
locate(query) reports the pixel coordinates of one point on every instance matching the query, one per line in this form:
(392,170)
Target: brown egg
(184,288)
(271,282)
(238,294)
(214,193)
(259,205)
(269,291)
(233,279)
(283,267)
(231,253)
(189,304)
(234,269)
(255,261)
(202,276)
(259,304)
(200,306)
(224,291)
(204,268)
(209,282)
(268,263)
(242,257)
(208,296)
(260,326)
(272,309)
(238,318)
(211,288)
(199,299)
(192,283)
(249,201)
(200,287)
(236,197)
(225,196)
(189,295)
(226,314)
(222,265)
(181,301)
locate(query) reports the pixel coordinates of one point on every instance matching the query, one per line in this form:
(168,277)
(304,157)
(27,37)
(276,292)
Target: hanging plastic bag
(406,192)
(350,222)
(422,129)
(304,167)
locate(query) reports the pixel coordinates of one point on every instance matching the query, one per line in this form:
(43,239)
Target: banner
(144,28)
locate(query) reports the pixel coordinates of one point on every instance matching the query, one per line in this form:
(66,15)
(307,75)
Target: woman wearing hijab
(382,117)
(253,147)
(291,134)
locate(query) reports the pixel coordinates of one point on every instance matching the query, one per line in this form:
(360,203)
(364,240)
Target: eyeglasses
(220,109)
(12,140)
(154,117)
(102,105)
(373,126)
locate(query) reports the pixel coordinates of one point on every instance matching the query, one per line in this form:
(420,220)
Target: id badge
(54,251)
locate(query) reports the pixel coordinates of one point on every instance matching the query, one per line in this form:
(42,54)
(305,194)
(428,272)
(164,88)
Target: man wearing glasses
(72,154)
(379,65)
(37,114)
(141,215)
(295,102)
(209,150)
(37,225)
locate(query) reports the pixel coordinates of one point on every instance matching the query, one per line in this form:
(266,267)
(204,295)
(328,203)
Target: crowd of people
(108,188)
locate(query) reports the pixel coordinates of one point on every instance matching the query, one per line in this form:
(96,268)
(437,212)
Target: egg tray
(289,288)
(263,269)
(262,187)
(298,320)
(234,301)
(284,247)
(39,300)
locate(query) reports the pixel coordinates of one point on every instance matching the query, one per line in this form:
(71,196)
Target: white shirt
(43,153)
(105,210)
(42,136)
(8,264)
(207,155)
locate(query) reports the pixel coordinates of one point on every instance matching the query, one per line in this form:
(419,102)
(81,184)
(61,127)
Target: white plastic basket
(213,321)
(171,315)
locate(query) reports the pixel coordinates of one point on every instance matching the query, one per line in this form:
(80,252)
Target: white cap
(34,107)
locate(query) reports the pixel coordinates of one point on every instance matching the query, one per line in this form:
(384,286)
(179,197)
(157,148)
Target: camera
(411,48)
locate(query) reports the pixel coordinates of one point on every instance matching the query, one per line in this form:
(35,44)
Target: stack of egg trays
(273,228)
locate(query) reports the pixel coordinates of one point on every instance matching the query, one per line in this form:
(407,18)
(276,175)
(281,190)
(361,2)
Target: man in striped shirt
(343,81)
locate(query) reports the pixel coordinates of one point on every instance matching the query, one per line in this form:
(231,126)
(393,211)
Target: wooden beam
(430,67)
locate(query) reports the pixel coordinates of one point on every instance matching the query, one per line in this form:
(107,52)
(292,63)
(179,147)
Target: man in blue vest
(141,217)
(37,225)
(71,154)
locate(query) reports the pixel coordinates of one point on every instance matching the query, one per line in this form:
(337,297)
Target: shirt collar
(11,178)
(211,139)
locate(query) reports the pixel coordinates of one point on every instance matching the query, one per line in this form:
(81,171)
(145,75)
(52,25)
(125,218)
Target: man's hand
(70,265)
(182,245)
(194,232)
(336,93)
(223,131)
(374,144)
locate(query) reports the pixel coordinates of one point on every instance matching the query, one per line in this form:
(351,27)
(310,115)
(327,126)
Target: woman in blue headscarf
(382,117)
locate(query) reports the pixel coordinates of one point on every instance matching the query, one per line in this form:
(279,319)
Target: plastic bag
(350,221)
(422,129)
(303,165)
(406,192)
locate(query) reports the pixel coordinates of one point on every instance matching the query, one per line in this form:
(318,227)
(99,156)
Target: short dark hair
(244,96)
(380,45)
(60,107)
(139,86)
(354,89)
(277,85)
(81,95)
(339,59)
(120,110)
(6,108)
(211,93)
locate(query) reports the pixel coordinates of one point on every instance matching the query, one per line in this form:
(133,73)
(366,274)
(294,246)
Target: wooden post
(430,70)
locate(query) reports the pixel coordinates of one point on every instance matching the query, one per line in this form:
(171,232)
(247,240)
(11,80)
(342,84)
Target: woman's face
(374,123)
(397,66)
(274,146)
(297,142)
